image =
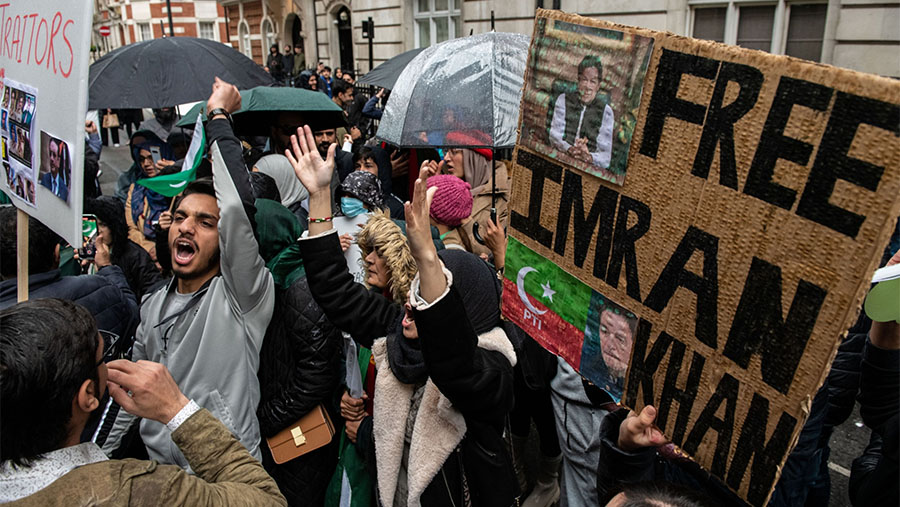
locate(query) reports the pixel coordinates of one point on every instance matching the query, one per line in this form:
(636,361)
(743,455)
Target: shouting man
(208,324)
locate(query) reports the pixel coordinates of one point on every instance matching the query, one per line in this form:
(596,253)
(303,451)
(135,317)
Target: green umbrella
(260,106)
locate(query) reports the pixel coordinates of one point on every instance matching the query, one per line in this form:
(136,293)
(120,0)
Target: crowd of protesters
(328,274)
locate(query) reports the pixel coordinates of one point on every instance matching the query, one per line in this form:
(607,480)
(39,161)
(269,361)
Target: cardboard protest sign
(44,49)
(758,195)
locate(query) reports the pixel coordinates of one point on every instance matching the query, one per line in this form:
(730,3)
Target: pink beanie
(452,202)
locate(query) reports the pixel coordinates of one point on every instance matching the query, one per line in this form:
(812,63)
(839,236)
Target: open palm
(418,225)
(314,173)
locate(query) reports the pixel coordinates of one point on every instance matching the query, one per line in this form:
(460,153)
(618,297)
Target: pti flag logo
(520,286)
(545,301)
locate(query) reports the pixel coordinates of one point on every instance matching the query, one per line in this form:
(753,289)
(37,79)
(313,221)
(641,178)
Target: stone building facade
(857,34)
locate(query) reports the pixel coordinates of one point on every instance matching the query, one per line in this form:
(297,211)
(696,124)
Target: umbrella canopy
(386,74)
(168,71)
(471,84)
(261,105)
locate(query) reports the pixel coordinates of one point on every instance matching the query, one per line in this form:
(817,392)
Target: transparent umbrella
(471,84)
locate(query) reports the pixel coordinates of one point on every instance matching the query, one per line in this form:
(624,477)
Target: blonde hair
(387,239)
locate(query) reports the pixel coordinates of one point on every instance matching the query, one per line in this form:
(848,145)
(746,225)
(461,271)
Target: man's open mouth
(184,251)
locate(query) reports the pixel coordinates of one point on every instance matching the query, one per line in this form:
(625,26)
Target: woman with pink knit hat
(474,166)
(451,206)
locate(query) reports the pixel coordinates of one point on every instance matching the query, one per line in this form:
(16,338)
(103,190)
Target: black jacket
(843,378)
(106,295)
(139,269)
(478,382)
(873,476)
(299,368)
(347,304)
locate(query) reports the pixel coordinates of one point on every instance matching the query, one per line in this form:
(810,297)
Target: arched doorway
(293,29)
(345,37)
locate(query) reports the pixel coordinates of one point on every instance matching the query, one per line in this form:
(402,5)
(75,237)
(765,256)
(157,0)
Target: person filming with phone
(110,245)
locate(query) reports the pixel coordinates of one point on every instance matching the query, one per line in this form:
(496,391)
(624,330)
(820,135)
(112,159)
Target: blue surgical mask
(352,206)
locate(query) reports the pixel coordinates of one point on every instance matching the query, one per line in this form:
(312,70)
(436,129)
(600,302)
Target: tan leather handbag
(307,434)
(111,121)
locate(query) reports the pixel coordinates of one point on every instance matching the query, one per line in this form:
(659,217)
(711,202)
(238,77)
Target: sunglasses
(110,349)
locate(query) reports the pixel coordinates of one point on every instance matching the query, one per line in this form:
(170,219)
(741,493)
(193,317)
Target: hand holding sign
(637,431)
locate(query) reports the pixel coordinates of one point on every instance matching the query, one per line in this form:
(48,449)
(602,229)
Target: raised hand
(418,231)
(418,223)
(224,95)
(165,220)
(313,172)
(638,431)
(429,168)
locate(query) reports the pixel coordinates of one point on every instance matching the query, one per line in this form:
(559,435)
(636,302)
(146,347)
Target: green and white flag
(171,185)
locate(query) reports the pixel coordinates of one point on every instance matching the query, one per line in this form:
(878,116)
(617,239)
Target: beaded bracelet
(320,220)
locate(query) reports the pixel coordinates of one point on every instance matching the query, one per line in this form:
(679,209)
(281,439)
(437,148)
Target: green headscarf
(278,230)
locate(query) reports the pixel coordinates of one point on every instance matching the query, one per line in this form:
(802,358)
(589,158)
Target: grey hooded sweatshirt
(211,344)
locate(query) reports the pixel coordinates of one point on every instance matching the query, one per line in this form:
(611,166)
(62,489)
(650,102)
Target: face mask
(352,206)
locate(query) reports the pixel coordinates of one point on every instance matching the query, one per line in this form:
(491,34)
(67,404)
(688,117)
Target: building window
(207,30)
(755,27)
(145,33)
(555,4)
(779,28)
(244,39)
(436,21)
(806,31)
(709,24)
(268,34)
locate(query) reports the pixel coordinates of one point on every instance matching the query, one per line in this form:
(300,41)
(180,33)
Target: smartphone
(154,152)
(89,234)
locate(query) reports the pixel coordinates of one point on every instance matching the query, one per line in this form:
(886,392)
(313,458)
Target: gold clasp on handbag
(299,438)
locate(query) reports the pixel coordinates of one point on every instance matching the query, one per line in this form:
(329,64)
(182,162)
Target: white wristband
(186,412)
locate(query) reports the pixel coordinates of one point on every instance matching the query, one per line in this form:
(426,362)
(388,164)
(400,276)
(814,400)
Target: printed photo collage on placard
(16,133)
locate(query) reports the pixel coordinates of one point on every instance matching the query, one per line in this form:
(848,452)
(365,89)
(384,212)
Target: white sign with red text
(44,46)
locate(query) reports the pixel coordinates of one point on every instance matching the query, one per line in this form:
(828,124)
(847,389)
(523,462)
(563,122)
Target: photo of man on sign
(608,339)
(582,123)
(582,93)
(56,168)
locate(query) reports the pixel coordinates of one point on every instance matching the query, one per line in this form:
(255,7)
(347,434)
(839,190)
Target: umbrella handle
(475,233)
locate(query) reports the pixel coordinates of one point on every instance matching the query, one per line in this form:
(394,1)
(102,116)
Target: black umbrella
(386,74)
(169,71)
